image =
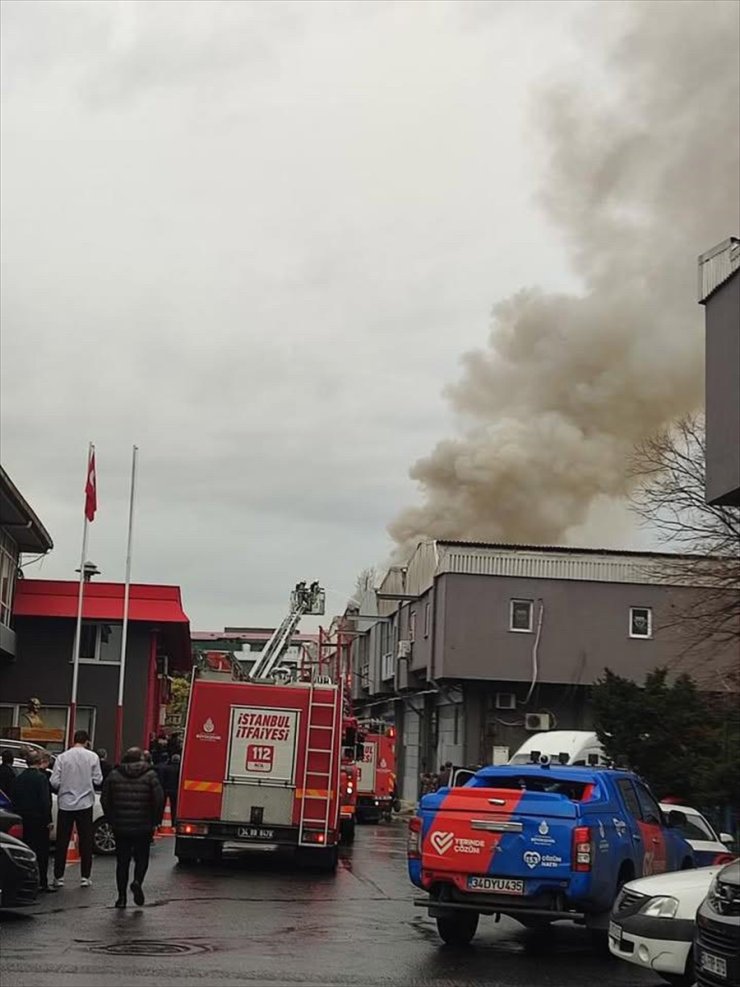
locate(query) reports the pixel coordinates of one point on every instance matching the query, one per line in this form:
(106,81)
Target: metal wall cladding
(717,265)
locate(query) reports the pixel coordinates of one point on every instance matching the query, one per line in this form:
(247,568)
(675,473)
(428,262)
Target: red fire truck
(376,783)
(262,756)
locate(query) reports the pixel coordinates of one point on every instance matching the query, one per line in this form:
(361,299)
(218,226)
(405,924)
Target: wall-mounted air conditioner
(505,700)
(537,721)
(404,649)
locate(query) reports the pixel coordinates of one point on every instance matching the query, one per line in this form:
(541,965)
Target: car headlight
(712,895)
(20,853)
(661,907)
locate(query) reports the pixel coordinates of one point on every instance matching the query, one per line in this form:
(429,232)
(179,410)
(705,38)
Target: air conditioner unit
(404,649)
(505,700)
(537,721)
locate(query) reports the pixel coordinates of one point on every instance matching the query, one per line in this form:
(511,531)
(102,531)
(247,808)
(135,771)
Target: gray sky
(255,239)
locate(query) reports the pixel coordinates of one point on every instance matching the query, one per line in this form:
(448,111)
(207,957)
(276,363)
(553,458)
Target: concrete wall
(43,668)
(585,627)
(723,393)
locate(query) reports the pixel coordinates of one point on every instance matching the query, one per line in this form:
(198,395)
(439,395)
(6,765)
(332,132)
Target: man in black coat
(7,775)
(32,802)
(133,802)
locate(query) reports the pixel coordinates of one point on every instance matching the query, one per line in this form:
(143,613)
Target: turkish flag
(91,489)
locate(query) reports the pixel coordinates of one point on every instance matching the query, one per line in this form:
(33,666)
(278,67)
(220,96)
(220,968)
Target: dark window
(649,806)
(427,619)
(630,799)
(641,622)
(520,615)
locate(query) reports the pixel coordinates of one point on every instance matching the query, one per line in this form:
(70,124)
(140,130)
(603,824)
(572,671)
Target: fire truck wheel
(458,928)
(324,860)
(348,831)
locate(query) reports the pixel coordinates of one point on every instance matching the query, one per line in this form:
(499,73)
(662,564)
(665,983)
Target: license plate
(255,833)
(713,964)
(496,885)
(615,932)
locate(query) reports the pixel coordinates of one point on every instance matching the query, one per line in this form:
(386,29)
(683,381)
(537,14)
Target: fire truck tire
(457,929)
(348,831)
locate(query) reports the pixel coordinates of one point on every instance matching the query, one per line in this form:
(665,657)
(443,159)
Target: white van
(565,746)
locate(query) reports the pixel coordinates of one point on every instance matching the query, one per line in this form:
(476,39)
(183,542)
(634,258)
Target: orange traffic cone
(73,850)
(167,829)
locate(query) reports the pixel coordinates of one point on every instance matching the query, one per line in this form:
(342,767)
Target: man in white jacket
(74,776)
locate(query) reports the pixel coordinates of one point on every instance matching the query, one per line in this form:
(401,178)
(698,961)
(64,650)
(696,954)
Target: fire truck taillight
(313,836)
(581,852)
(350,788)
(192,829)
(413,845)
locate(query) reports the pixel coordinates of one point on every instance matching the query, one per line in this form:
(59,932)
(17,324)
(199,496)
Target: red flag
(91,489)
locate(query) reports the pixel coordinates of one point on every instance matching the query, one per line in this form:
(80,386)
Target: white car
(709,847)
(104,842)
(652,922)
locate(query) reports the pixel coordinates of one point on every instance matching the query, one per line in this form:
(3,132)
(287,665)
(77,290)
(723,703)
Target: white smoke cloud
(642,176)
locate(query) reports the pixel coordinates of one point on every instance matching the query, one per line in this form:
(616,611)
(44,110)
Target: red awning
(101,601)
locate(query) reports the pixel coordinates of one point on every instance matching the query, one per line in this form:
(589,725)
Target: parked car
(20,748)
(653,922)
(717,938)
(104,842)
(710,848)
(19,873)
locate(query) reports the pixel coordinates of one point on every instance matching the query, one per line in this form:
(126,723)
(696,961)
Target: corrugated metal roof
(548,562)
(717,265)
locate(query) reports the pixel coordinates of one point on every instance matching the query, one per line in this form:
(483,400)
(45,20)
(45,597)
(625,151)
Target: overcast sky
(255,239)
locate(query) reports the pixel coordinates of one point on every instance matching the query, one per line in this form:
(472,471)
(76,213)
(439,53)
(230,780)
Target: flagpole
(126,598)
(78,628)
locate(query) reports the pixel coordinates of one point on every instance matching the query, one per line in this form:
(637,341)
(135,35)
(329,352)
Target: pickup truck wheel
(458,929)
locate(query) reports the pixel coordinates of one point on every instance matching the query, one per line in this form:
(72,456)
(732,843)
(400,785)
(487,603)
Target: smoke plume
(641,178)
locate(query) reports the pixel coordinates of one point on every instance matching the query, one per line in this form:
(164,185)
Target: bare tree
(669,471)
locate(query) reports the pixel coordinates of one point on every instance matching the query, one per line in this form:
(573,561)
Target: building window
(101,642)
(8,569)
(520,616)
(45,725)
(387,666)
(641,622)
(427,619)
(412,625)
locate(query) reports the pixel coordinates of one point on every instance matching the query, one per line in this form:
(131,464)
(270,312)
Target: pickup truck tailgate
(500,832)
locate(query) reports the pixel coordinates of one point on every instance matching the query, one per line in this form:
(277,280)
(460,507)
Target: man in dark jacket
(7,775)
(169,776)
(32,802)
(133,802)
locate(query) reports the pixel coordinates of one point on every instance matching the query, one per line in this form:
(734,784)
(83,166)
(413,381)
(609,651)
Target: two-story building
(471,647)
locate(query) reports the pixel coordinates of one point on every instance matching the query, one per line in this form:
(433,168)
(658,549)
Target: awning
(100,601)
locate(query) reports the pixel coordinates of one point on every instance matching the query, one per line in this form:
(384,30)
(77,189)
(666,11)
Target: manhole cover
(151,947)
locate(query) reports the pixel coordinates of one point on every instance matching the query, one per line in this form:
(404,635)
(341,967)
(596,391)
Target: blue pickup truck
(540,843)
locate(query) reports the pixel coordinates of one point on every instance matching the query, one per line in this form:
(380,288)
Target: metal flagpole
(126,596)
(78,628)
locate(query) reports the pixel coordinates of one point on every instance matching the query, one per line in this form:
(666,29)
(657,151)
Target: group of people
(133,795)
(431,781)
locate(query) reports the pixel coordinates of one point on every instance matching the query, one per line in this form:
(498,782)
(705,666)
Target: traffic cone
(167,829)
(73,850)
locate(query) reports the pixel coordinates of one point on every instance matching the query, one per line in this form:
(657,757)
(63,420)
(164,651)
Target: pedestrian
(174,744)
(105,766)
(445,774)
(75,774)
(7,775)
(133,802)
(169,777)
(32,802)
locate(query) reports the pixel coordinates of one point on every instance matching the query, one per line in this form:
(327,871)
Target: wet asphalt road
(253,921)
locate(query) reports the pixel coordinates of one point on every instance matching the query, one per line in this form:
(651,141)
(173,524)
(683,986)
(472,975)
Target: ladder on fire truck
(303,600)
(329,779)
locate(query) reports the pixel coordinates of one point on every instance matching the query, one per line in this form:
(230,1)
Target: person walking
(7,775)
(169,776)
(32,802)
(75,774)
(133,803)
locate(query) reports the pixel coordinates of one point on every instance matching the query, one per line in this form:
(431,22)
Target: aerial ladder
(304,600)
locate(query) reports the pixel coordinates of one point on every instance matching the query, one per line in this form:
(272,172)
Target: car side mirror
(726,838)
(676,818)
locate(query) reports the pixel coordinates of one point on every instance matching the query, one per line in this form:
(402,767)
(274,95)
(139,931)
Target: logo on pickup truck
(442,842)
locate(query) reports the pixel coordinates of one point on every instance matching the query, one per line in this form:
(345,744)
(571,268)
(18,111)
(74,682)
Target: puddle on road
(152,947)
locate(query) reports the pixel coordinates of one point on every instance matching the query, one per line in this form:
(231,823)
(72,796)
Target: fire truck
(262,756)
(376,783)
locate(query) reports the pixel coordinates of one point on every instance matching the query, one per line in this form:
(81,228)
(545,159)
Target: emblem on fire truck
(209,726)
